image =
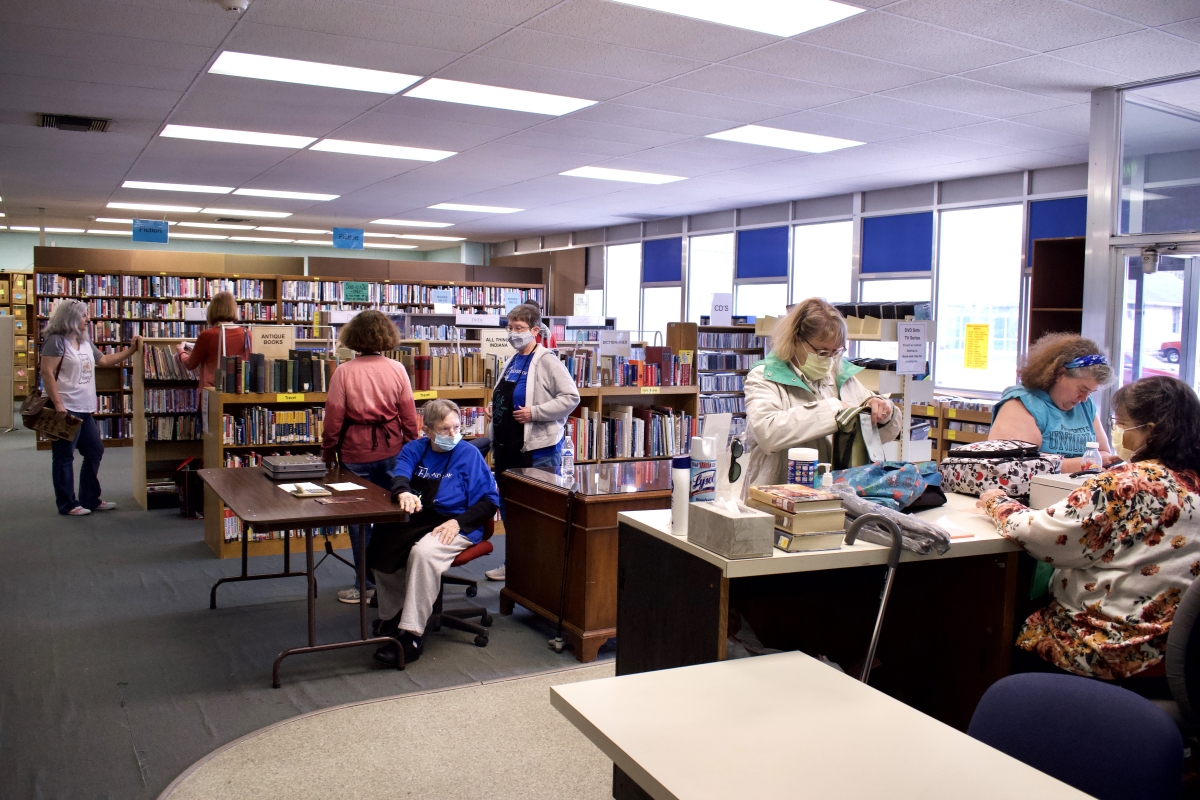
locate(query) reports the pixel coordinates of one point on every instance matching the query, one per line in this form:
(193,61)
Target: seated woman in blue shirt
(1055,411)
(448,490)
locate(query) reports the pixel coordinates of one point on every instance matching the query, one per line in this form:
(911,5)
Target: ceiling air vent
(231,219)
(65,122)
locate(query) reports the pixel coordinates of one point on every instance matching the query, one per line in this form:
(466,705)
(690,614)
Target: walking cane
(888,576)
(557,642)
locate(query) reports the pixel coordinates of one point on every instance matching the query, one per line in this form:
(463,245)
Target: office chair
(1059,723)
(1183,664)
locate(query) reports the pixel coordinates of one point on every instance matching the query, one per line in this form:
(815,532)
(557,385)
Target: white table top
(957,516)
(785,726)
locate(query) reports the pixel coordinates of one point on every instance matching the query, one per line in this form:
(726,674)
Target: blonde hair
(813,319)
(222,308)
(1052,351)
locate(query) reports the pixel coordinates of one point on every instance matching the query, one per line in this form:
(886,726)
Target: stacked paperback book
(805,518)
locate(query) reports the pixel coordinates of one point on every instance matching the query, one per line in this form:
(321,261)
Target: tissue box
(749,534)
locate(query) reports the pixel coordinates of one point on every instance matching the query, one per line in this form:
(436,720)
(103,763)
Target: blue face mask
(446,443)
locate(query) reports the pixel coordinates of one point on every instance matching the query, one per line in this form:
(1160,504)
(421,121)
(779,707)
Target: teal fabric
(1064,433)
(777,371)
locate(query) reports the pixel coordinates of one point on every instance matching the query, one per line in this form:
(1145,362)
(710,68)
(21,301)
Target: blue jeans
(63,466)
(380,474)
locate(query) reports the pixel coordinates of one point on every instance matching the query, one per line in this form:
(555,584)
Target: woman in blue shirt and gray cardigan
(449,493)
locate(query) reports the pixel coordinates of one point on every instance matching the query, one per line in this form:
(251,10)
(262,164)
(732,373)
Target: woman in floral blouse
(1125,545)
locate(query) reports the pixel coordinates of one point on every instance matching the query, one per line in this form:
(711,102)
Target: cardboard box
(20,389)
(5,311)
(20,312)
(22,374)
(18,296)
(20,343)
(20,359)
(4,291)
(21,326)
(18,279)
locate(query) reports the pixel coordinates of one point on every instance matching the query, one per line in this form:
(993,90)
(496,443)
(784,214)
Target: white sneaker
(351,595)
(104,506)
(79,511)
(496,574)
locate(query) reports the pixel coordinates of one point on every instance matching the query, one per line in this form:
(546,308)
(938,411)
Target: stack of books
(805,518)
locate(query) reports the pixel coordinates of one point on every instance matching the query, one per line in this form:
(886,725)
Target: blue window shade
(902,243)
(762,253)
(662,260)
(1057,219)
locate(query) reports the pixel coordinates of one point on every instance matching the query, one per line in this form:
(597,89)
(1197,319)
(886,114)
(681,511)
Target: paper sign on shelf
(581,305)
(975,356)
(722,309)
(195,315)
(150,230)
(428,394)
(614,343)
(348,238)
(512,299)
(355,292)
(585,322)
(651,390)
(289,398)
(443,300)
(273,341)
(911,340)
(495,343)
(478,320)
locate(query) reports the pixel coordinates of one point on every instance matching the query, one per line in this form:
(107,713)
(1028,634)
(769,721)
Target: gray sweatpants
(415,589)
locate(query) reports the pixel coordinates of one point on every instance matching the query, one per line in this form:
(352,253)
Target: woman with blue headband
(1054,409)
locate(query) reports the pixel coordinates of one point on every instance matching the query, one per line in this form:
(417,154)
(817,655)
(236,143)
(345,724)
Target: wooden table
(785,726)
(535,542)
(259,502)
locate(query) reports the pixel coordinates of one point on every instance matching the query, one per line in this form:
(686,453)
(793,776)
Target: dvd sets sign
(150,230)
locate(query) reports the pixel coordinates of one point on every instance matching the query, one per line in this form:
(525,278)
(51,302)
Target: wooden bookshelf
(157,458)
(706,377)
(1056,287)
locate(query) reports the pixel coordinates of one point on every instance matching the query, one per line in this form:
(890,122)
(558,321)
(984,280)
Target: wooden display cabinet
(1056,287)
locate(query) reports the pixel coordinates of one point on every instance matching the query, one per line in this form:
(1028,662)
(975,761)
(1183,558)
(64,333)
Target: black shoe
(413,648)
(386,655)
(386,627)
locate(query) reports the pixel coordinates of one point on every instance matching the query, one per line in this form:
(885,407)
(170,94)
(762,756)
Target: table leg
(312,588)
(360,558)
(246,576)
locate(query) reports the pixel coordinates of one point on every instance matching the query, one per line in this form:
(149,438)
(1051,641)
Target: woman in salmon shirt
(222,317)
(369,414)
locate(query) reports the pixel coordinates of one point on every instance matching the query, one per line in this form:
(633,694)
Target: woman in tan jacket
(794,395)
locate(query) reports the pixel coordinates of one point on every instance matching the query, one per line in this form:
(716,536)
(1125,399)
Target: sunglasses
(735,452)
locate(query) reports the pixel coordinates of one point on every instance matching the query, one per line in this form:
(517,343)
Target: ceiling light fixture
(777,17)
(627,175)
(176,187)
(313,241)
(259,239)
(381,150)
(787,140)
(291,230)
(480,209)
(220,225)
(479,94)
(197,236)
(64,230)
(154,207)
(411,223)
(242,212)
(237,137)
(311,73)
(424,238)
(379,246)
(24,228)
(383,235)
(286,195)
(101,232)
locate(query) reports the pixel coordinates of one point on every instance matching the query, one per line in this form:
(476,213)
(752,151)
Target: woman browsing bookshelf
(222,322)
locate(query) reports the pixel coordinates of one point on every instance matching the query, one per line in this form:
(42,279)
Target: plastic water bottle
(1091,457)
(567,468)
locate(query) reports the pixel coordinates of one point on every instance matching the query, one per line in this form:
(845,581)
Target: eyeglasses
(511,329)
(448,431)
(735,452)
(823,353)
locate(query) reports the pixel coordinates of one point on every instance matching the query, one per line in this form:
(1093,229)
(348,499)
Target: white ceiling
(938,89)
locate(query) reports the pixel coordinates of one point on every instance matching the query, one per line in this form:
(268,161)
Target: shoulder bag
(38,414)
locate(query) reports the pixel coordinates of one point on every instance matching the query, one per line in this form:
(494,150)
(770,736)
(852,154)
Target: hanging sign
(495,343)
(722,310)
(614,343)
(150,230)
(910,337)
(348,238)
(512,299)
(976,352)
(355,292)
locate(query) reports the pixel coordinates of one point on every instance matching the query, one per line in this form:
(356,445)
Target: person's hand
(409,502)
(137,344)
(181,348)
(61,414)
(881,410)
(1108,459)
(523,415)
(487,411)
(988,495)
(330,461)
(446,532)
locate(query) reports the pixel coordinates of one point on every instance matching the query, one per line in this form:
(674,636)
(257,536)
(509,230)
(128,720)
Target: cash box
(293,468)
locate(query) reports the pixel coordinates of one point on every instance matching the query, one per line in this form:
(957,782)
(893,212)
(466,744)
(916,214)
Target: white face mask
(1118,441)
(520,341)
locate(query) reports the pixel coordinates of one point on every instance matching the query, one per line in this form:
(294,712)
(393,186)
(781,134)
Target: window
(622,282)
(822,257)
(1160,158)
(710,271)
(660,305)
(760,299)
(979,283)
(883,291)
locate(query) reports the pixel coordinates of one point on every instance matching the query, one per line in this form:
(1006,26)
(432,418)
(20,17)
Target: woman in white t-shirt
(68,364)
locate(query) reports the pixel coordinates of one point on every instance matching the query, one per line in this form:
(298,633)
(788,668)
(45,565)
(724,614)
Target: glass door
(1158,320)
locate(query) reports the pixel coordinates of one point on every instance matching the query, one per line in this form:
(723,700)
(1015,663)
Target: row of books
(96,307)
(448,369)
(253,311)
(161,286)
(115,427)
(261,425)
(302,371)
(474,420)
(722,404)
(114,404)
(405,293)
(716,382)
(252,458)
(163,330)
(242,288)
(729,340)
(172,401)
(78,285)
(622,431)
(183,428)
(964,404)
(153,309)
(727,360)
(162,364)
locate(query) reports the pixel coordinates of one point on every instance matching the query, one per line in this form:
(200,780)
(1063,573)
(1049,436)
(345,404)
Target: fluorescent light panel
(422,238)
(776,17)
(24,228)
(117,221)
(380,150)
(382,235)
(177,187)
(478,94)
(378,246)
(219,225)
(197,236)
(411,223)
(786,140)
(242,212)
(102,232)
(480,209)
(154,207)
(229,136)
(286,195)
(311,73)
(291,230)
(313,241)
(627,175)
(259,239)
(64,230)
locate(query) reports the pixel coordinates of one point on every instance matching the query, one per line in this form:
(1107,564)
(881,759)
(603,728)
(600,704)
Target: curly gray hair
(433,412)
(65,319)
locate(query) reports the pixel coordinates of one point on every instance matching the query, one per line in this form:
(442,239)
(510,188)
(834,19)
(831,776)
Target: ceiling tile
(328,173)
(413,131)
(1188,30)
(687,163)
(858,130)
(636,117)
(504,12)
(655,31)
(889,110)
(210,163)
(221,101)
(582,55)
(760,87)
(591,129)
(1014,134)
(1147,12)
(973,97)
(1074,119)
(885,36)
(574,144)
(1077,153)
(955,146)
(1049,76)
(683,101)
(458,112)
(120,103)
(1038,25)
(206,27)
(1032,161)
(1144,55)
(332,48)
(57,42)
(796,59)
(94,71)
(534,78)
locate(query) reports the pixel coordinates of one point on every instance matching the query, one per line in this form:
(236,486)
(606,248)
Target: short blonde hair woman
(222,322)
(793,396)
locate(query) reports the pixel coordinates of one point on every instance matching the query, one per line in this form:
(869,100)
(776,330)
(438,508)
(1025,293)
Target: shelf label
(477,320)
(614,343)
(722,309)
(348,238)
(951,434)
(428,394)
(272,341)
(911,348)
(651,389)
(951,412)
(289,398)
(585,322)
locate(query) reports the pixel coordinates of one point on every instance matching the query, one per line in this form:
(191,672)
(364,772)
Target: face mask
(1118,440)
(520,341)
(816,368)
(445,443)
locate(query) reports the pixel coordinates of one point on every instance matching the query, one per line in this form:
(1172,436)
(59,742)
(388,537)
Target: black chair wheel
(472,591)
(486,620)
(481,641)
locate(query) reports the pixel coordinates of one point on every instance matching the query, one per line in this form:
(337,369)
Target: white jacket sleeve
(778,423)
(564,394)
